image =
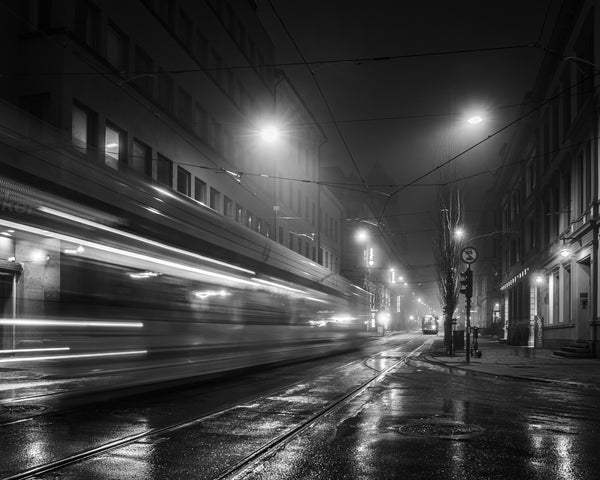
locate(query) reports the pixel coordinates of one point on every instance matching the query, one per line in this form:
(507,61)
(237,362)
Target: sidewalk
(537,364)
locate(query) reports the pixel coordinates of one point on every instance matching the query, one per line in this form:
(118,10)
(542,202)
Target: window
(201,49)
(585,70)
(259,225)
(230,83)
(215,198)
(116,48)
(291,240)
(87,24)
(184,107)
(217,63)
(141,160)
(252,52)
(555,133)
(239,213)
(530,177)
(546,218)
(546,139)
(555,315)
(530,234)
(280,235)
(261,64)
(229,19)
(164,170)
(114,148)
(555,208)
(165,91)
(200,190)
(240,94)
(216,138)
(164,8)
(185,30)
(83,128)
(250,220)
(39,14)
(227,207)
(566,99)
(565,208)
(200,121)
(143,79)
(241,36)
(229,150)
(184,181)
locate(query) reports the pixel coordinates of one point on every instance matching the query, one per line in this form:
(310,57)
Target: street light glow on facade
(362,236)
(270,133)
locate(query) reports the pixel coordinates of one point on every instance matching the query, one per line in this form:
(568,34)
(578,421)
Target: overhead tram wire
(354,61)
(332,116)
(491,135)
(110,76)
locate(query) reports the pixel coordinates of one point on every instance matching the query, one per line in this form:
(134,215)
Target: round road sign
(468,255)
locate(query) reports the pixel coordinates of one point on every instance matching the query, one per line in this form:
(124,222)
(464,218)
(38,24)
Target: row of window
(84,132)
(179,103)
(568,197)
(156,83)
(554,128)
(181,23)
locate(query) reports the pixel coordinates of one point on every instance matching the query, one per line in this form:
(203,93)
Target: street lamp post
(270,134)
(319,256)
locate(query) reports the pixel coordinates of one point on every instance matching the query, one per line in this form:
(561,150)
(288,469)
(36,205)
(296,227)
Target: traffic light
(467,283)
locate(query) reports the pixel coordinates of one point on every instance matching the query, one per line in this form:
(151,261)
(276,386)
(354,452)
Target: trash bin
(458,338)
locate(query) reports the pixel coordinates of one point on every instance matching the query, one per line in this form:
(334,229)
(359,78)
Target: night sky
(403,117)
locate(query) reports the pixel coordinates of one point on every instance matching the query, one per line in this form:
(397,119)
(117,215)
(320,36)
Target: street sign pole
(468,312)
(469,256)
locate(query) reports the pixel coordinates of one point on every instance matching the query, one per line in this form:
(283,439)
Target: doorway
(583,305)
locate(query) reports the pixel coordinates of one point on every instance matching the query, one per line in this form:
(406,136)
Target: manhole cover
(20,409)
(456,431)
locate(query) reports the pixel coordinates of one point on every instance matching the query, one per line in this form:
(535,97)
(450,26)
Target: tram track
(247,464)
(249,461)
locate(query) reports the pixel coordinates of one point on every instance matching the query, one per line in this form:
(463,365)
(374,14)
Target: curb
(453,369)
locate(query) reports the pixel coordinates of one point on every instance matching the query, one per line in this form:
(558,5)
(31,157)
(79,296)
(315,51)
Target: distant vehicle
(429,325)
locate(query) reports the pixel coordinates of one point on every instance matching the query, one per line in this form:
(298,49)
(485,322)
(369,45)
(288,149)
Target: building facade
(546,198)
(173,93)
(102,97)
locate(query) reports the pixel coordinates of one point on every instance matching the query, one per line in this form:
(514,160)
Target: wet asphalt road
(414,422)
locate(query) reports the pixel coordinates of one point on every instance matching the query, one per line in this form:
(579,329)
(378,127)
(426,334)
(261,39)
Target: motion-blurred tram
(153,286)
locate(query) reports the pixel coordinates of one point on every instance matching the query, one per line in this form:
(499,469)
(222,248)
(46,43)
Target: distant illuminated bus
(429,325)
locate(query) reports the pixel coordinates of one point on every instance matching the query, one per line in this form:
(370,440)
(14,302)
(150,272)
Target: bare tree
(447,246)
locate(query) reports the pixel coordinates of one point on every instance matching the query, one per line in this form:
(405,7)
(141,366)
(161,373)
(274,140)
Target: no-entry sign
(468,255)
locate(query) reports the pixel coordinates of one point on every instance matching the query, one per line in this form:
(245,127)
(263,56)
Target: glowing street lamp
(270,133)
(475,119)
